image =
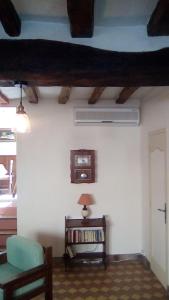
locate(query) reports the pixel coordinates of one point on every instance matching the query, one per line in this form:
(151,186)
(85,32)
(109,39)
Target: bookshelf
(85,232)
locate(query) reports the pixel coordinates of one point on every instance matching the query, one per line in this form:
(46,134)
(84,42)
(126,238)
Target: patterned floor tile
(122,281)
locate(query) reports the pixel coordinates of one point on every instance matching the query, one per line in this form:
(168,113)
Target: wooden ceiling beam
(64,95)
(96,95)
(125,94)
(3,98)
(9,18)
(31,93)
(81,17)
(52,63)
(159,22)
(7,83)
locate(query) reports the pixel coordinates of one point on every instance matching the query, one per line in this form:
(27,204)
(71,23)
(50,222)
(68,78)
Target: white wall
(155,116)
(45,194)
(44,189)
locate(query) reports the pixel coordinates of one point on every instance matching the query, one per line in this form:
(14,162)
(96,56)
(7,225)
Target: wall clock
(82,166)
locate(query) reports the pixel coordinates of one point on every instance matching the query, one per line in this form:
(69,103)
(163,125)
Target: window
(7,153)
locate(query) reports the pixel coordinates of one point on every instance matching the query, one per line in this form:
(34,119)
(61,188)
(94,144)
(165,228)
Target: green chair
(25,270)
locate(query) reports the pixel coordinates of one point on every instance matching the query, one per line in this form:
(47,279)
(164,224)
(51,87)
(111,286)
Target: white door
(158,202)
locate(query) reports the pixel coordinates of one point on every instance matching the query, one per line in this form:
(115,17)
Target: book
(69,252)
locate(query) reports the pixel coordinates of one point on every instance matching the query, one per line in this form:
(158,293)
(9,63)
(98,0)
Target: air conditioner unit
(104,116)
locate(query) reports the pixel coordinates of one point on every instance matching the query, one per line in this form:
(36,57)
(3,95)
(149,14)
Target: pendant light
(22,119)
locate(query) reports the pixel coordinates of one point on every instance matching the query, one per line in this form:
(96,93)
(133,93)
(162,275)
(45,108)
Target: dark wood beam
(159,21)
(51,63)
(9,18)
(3,98)
(31,93)
(7,83)
(81,17)
(125,94)
(96,95)
(64,94)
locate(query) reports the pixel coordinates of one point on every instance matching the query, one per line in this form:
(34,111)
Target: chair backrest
(24,253)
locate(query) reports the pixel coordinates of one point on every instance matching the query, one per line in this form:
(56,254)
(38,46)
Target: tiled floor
(121,281)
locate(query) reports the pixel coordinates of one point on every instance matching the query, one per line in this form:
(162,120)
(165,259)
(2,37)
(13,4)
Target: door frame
(150,150)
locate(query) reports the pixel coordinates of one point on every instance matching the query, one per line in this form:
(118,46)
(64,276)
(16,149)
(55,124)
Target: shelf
(76,223)
(86,258)
(84,243)
(89,255)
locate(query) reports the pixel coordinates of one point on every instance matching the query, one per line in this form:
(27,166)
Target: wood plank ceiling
(125,94)
(21,60)
(81,18)
(89,66)
(9,18)
(159,21)
(65,94)
(31,94)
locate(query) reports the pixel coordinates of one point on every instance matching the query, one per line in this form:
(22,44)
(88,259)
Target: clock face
(82,160)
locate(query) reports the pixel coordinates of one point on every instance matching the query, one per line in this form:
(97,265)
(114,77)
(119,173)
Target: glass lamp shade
(22,123)
(22,119)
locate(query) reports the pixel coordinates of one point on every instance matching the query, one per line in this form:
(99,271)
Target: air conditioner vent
(114,116)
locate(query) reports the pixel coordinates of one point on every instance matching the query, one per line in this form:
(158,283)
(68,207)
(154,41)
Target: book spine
(69,252)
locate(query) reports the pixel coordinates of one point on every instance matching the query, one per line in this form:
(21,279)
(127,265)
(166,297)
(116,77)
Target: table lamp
(85,199)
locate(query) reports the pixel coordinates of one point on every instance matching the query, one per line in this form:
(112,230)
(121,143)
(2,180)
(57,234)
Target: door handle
(165,212)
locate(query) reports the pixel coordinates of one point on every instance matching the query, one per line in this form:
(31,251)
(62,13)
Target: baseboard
(123,257)
(117,257)
(145,262)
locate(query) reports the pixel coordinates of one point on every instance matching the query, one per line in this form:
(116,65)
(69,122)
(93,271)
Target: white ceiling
(107,12)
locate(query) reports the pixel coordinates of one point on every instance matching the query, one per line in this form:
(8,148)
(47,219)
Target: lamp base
(85,212)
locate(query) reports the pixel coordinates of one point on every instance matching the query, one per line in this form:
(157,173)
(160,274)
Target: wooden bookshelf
(84,232)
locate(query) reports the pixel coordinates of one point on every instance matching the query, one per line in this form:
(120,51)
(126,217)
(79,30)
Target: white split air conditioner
(102,116)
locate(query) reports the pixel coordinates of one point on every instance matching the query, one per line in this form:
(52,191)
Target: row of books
(85,236)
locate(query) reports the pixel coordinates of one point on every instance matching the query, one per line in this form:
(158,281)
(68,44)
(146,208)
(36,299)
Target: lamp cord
(20,109)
